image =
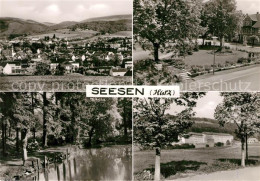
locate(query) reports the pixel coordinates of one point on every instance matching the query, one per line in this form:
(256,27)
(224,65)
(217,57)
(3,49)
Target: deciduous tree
(153,128)
(161,24)
(243,109)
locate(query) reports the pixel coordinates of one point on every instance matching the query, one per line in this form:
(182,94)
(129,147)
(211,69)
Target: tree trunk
(90,136)
(34,133)
(44,134)
(3,139)
(156,47)
(246,149)
(125,123)
(221,41)
(242,153)
(24,142)
(5,136)
(157,171)
(17,140)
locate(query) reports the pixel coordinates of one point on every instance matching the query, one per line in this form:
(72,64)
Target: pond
(109,163)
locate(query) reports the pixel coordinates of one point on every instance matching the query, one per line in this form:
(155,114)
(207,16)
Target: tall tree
(222,18)
(161,24)
(125,109)
(153,128)
(243,109)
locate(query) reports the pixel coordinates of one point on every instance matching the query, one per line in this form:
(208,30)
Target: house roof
(220,134)
(208,133)
(257,24)
(255,17)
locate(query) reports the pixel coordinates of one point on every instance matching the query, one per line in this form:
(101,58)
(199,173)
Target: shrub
(219,144)
(242,60)
(33,145)
(177,63)
(182,146)
(228,142)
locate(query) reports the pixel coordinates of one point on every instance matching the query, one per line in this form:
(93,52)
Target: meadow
(67,83)
(179,163)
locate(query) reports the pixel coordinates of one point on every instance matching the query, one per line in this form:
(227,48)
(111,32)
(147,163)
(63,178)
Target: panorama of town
(67,51)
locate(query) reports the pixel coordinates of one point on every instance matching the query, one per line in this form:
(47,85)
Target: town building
(206,138)
(252,140)
(251,26)
(12,68)
(118,71)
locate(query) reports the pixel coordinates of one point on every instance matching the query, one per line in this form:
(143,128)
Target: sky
(205,106)
(56,11)
(248,6)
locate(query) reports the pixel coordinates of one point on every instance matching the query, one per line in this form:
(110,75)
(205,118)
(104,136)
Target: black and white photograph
(198,136)
(57,45)
(202,45)
(65,136)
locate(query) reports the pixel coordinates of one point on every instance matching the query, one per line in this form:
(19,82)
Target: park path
(243,174)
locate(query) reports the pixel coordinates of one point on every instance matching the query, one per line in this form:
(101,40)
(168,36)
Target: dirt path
(244,174)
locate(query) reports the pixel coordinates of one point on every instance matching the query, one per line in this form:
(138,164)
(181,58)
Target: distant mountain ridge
(108,18)
(9,25)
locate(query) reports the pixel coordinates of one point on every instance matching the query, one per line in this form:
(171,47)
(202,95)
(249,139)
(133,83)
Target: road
(238,79)
(244,174)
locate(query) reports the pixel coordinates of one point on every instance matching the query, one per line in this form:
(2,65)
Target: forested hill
(19,26)
(211,125)
(106,26)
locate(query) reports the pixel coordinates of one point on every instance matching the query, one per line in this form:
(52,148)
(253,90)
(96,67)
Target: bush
(176,63)
(33,145)
(182,146)
(219,144)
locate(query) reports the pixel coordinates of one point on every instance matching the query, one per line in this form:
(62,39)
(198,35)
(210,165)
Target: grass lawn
(204,57)
(67,83)
(184,162)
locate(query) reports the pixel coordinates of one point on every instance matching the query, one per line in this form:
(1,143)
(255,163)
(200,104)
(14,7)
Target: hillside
(108,18)
(106,26)
(63,24)
(210,125)
(20,26)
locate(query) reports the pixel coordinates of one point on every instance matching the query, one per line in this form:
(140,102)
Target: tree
(160,24)
(42,69)
(253,39)
(243,109)
(125,109)
(153,128)
(19,111)
(222,18)
(60,70)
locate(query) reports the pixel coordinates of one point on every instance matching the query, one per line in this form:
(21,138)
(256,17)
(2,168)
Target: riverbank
(62,156)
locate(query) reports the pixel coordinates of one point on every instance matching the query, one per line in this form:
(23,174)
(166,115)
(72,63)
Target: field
(186,162)
(66,33)
(68,83)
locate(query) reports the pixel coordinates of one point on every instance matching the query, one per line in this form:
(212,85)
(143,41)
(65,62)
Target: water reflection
(111,163)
